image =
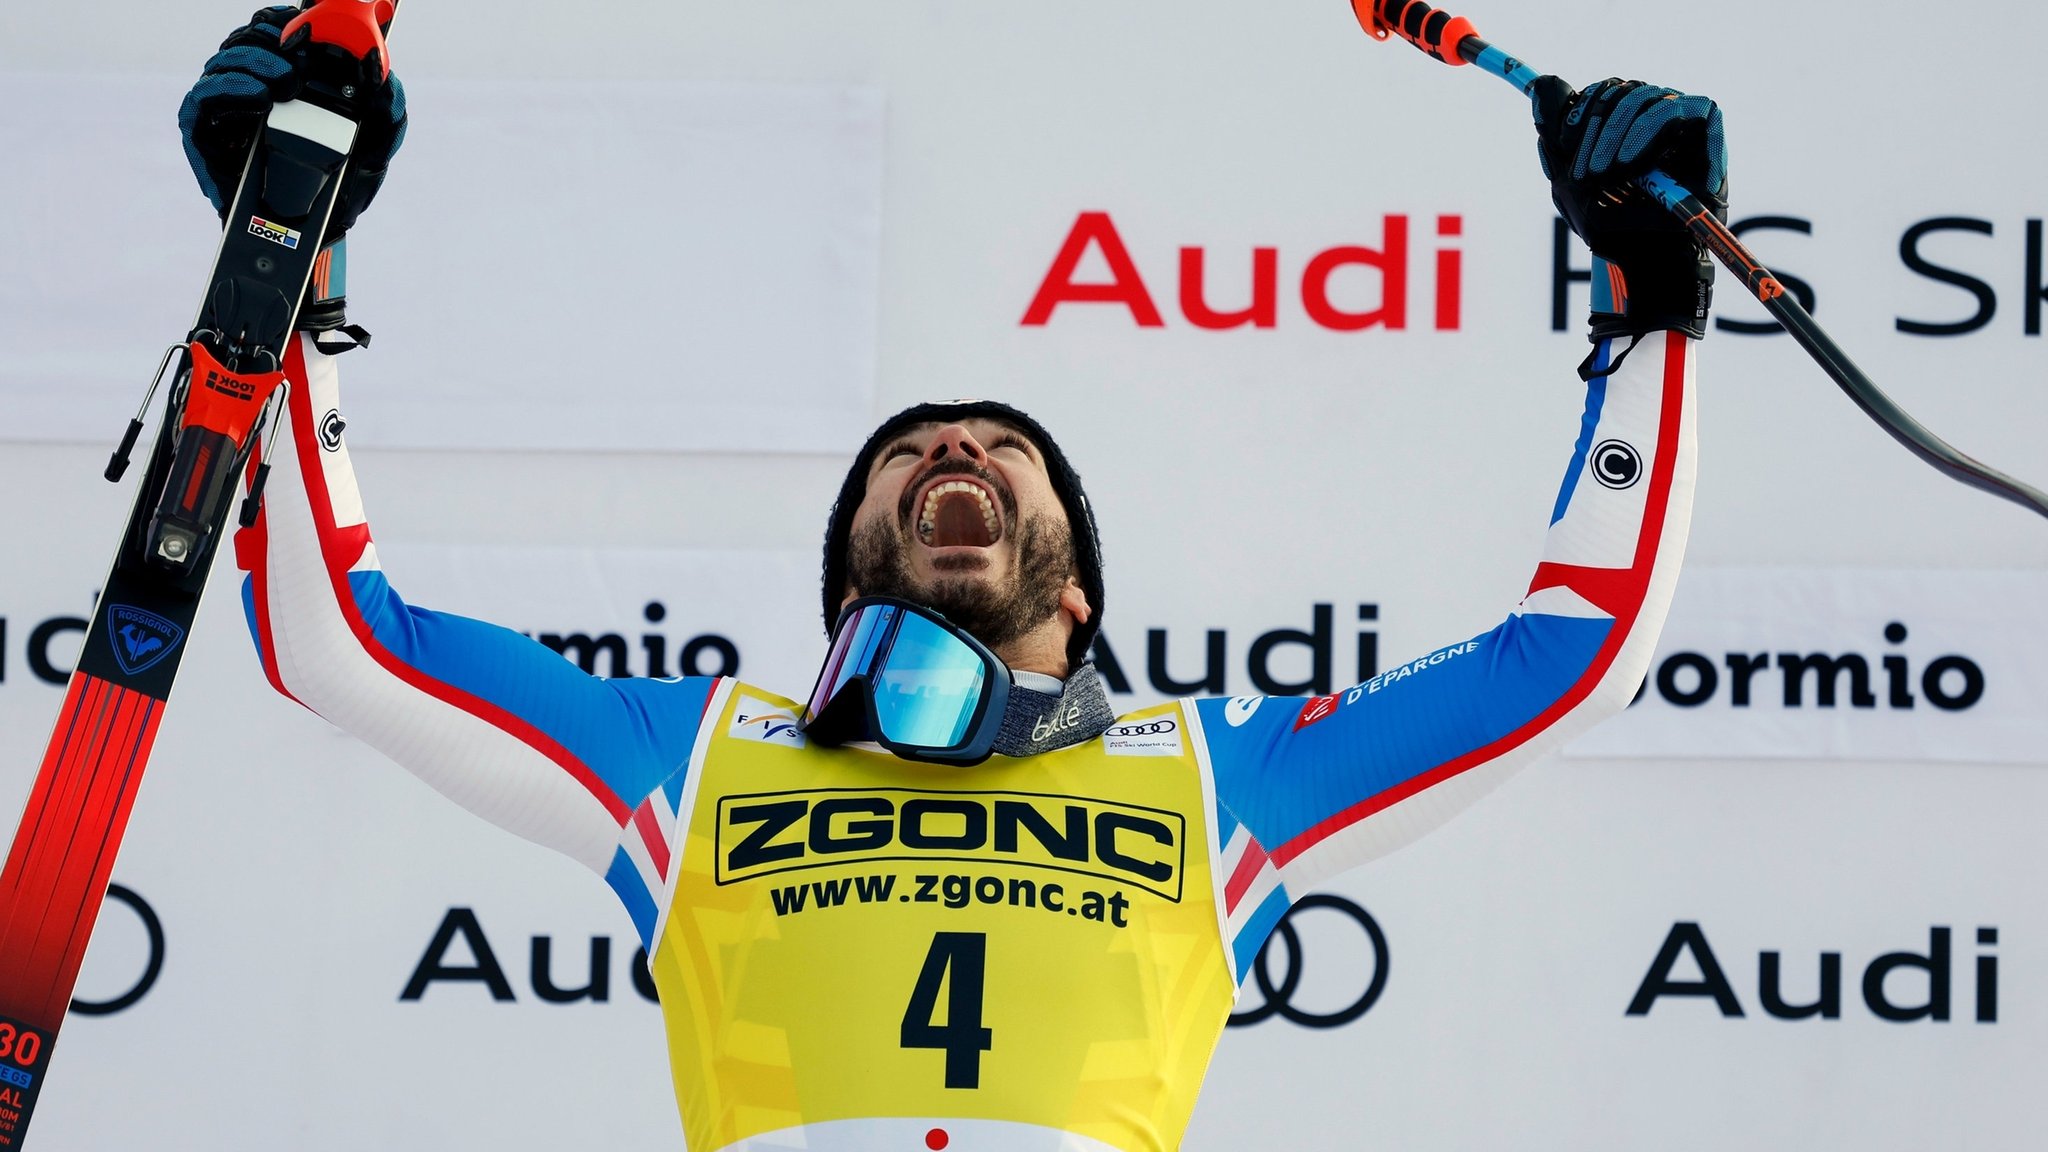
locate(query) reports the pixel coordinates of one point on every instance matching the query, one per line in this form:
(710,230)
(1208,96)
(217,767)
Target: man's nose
(955,440)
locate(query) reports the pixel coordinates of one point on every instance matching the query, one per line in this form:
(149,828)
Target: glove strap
(1662,293)
(325,310)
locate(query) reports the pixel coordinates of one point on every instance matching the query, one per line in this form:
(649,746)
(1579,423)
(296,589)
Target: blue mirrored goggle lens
(928,687)
(853,649)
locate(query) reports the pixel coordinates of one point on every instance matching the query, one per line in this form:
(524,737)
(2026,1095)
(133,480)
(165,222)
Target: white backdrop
(1244,476)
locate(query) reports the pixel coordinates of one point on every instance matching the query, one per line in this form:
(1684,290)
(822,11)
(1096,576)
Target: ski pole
(1453,40)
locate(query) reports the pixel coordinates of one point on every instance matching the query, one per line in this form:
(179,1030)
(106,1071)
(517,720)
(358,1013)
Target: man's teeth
(927,520)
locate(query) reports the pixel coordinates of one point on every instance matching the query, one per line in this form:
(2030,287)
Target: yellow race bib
(867,952)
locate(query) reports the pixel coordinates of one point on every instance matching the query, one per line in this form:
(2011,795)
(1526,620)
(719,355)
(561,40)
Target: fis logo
(275,233)
(140,639)
(759,721)
(763,834)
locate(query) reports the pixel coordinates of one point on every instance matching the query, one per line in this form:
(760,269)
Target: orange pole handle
(355,26)
(1433,30)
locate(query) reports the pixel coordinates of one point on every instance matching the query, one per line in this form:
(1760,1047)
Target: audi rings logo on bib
(1158,736)
(1616,464)
(1340,986)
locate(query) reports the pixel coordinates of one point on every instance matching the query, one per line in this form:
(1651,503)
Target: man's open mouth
(958,514)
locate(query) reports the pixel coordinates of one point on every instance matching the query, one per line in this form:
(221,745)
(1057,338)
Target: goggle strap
(1036,722)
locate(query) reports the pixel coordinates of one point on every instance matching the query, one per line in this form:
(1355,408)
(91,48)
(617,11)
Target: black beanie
(1066,484)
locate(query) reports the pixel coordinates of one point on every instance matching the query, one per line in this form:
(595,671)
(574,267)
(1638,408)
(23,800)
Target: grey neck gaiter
(1036,722)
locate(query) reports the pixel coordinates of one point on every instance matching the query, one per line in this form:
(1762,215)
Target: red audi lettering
(1336,283)
(1126,286)
(1264,310)
(1449,274)
(1392,262)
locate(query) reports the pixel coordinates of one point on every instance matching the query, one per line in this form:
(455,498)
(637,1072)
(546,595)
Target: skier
(950,899)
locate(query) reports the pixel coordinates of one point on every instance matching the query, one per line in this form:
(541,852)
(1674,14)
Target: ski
(226,380)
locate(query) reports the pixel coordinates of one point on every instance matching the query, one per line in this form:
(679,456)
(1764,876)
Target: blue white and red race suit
(800,905)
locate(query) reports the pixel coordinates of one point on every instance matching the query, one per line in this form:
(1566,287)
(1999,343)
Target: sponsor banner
(343,905)
(645,303)
(1844,664)
(1318,371)
(1605,945)
(651,612)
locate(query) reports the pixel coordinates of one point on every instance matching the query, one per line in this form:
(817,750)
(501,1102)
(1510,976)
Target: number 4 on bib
(962,1038)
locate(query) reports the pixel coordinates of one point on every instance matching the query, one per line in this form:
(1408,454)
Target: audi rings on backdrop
(1279,996)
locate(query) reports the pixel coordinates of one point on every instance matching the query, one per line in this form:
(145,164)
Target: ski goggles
(910,680)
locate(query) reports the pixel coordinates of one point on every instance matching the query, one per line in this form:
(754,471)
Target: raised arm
(1308,789)
(496,722)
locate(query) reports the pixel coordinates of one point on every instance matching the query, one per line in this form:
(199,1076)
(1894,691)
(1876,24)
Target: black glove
(224,111)
(1593,145)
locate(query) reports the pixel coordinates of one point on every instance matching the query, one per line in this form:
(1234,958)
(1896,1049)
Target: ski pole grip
(1433,30)
(354,26)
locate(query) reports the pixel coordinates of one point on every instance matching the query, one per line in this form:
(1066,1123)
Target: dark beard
(878,565)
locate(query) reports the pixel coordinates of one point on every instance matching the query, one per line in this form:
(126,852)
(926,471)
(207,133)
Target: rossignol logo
(1330,280)
(140,639)
(275,233)
(767,833)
